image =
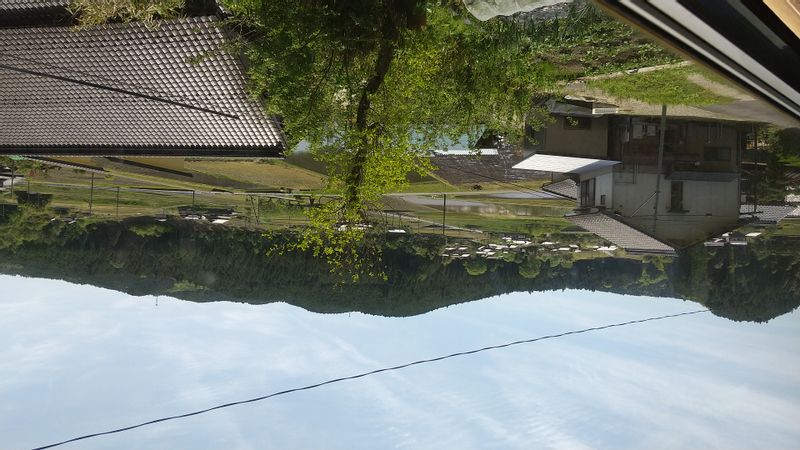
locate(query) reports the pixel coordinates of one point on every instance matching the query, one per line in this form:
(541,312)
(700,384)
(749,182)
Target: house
(131,91)
(613,161)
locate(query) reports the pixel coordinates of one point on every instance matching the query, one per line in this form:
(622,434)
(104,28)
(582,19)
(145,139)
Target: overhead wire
(372,372)
(99,77)
(115,89)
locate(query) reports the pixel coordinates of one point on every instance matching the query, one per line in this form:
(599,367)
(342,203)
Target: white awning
(563,164)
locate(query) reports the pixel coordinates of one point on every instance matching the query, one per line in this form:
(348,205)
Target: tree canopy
(204,262)
(372,86)
(355,79)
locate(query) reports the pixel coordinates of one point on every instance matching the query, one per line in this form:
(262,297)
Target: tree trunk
(356,175)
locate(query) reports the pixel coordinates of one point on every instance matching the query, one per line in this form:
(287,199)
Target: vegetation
(198,262)
(785,144)
(660,87)
(262,174)
(353,79)
(94,12)
(588,42)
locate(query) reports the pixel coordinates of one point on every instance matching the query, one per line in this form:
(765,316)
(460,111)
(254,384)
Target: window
(587,192)
(577,123)
(717,153)
(676,197)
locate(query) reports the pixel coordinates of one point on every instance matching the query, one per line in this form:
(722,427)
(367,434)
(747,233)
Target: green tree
(785,144)
(372,86)
(531,267)
(475,267)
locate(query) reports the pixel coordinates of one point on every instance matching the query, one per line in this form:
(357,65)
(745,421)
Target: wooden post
(660,162)
(91,195)
(444,211)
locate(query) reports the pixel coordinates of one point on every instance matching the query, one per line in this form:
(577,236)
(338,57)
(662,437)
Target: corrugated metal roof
(620,233)
(564,164)
(565,188)
(198,102)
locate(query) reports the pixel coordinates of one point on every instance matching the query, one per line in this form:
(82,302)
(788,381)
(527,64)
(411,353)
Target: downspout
(660,162)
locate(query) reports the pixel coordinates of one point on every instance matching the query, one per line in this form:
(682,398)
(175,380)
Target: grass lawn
(262,174)
(535,226)
(429,186)
(668,86)
(788,227)
(564,205)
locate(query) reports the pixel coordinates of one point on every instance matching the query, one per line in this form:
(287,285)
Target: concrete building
(614,162)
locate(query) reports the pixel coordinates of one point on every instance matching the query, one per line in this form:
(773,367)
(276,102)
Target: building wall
(561,139)
(689,145)
(709,207)
(603,185)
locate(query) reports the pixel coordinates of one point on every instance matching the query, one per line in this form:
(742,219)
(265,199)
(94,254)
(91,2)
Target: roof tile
(620,233)
(182,62)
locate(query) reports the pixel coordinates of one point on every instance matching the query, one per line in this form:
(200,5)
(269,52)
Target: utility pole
(13,169)
(193,199)
(756,174)
(117,202)
(663,131)
(91,195)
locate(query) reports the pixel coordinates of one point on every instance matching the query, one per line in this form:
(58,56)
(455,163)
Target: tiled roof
(192,97)
(620,233)
(565,188)
(766,214)
(15,6)
(463,169)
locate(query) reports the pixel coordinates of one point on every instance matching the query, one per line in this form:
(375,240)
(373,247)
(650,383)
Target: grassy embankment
(671,86)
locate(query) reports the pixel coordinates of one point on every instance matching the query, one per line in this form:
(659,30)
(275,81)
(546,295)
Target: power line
(373,372)
(115,89)
(98,77)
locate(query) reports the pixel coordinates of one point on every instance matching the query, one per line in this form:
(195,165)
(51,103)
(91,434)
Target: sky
(76,359)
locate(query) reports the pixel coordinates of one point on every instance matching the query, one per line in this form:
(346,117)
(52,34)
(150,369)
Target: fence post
(91,195)
(444,211)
